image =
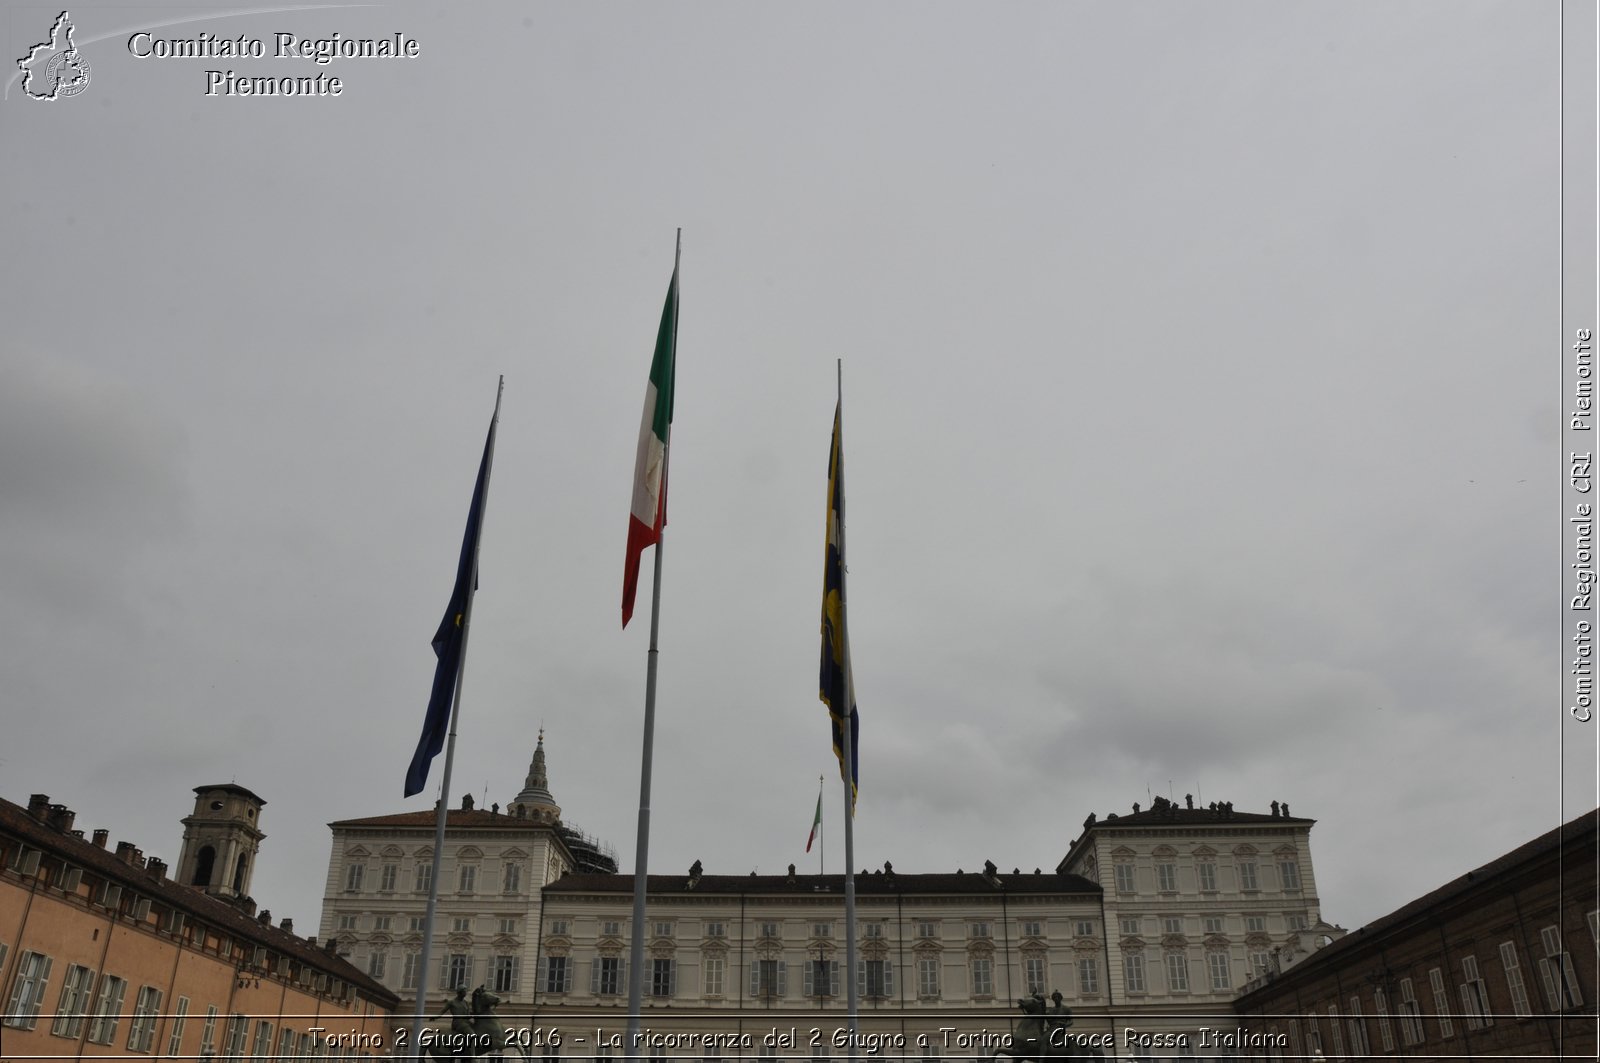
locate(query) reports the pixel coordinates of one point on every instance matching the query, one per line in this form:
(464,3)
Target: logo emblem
(55,69)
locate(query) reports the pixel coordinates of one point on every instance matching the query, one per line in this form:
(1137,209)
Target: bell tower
(220,840)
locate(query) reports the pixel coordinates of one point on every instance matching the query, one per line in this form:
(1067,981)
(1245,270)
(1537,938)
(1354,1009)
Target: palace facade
(1151,922)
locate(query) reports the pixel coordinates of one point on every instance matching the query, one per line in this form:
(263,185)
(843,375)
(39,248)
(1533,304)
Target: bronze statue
(460,1043)
(491,1033)
(1041,1033)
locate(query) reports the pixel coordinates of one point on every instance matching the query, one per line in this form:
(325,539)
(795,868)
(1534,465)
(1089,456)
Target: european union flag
(449,639)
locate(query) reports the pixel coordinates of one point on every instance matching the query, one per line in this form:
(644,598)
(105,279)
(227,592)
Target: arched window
(203,862)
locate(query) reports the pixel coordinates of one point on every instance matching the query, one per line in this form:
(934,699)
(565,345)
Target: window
(978,930)
(1172,924)
(308,1046)
(821,978)
(286,1046)
(711,969)
(769,930)
(608,976)
(414,924)
(457,970)
(1289,873)
(353,876)
(377,963)
(1088,976)
(663,977)
(27,990)
(1258,963)
(511,878)
(767,979)
(872,931)
(1177,972)
(75,990)
(1255,924)
(1560,980)
(467,878)
(1410,1014)
(716,930)
(1124,876)
(822,930)
(1441,1004)
(107,1010)
(1033,974)
(424,878)
(506,970)
(381,922)
(1358,1030)
(413,966)
(927,930)
(1032,929)
(1333,1030)
(461,924)
(1519,991)
(1474,997)
(1133,972)
(386,877)
(1167,878)
(1221,976)
(1213,924)
(1385,1030)
(557,974)
(1295,921)
(208,1032)
(1084,928)
(982,976)
(1129,925)
(927,977)
(1208,876)
(263,1044)
(1247,875)
(875,979)
(348,922)
(180,1018)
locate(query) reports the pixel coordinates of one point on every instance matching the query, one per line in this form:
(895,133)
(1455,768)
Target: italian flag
(649,512)
(816,824)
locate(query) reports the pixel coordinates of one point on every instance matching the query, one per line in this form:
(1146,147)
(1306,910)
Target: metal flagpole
(822,833)
(642,852)
(450,747)
(852,995)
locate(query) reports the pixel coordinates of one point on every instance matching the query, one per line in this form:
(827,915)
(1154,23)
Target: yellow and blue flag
(837,685)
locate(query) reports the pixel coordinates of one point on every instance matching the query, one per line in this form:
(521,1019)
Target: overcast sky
(1201,423)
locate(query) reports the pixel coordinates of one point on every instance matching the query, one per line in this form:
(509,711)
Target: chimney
(466,802)
(331,944)
(100,837)
(287,926)
(157,867)
(78,834)
(248,904)
(60,817)
(125,851)
(265,917)
(37,803)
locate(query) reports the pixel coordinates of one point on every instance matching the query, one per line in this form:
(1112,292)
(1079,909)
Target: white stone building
(1151,923)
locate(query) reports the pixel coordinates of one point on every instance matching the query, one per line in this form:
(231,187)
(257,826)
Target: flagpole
(641,858)
(852,995)
(822,833)
(442,809)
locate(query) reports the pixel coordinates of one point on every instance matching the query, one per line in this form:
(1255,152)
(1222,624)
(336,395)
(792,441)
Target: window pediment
(469,852)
